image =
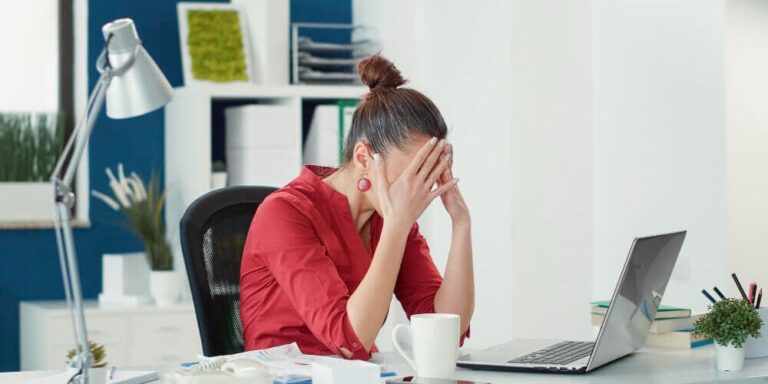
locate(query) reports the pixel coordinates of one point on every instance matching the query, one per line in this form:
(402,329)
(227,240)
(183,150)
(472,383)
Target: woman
(325,253)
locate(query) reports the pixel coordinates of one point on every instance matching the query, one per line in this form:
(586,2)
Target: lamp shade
(138,86)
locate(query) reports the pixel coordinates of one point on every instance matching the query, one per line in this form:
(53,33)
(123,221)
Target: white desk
(645,366)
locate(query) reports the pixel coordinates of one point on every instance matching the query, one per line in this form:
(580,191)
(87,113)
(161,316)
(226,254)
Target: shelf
(42,224)
(244,90)
(189,133)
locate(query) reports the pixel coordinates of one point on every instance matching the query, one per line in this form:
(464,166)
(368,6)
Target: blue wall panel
(29,268)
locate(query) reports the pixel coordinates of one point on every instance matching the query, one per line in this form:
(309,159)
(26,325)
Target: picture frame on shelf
(206,30)
(30,143)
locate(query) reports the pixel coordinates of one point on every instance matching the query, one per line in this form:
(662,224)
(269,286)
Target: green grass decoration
(215,44)
(730,321)
(97,351)
(30,144)
(145,218)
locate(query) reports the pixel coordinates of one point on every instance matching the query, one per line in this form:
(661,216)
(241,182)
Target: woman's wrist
(461,220)
(396,228)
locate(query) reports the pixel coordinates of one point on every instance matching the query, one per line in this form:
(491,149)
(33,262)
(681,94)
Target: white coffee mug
(435,341)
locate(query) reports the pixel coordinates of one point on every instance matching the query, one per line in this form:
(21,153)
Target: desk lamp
(132,85)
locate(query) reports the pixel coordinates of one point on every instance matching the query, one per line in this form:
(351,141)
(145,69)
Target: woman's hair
(390,115)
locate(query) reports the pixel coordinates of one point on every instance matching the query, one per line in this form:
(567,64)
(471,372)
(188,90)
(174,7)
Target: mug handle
(407,355)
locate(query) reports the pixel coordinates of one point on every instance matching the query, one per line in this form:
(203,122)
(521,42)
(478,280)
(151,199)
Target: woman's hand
(452,199)
(403,201)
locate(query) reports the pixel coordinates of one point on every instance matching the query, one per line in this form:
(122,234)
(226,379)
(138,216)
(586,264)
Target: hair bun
(379,73)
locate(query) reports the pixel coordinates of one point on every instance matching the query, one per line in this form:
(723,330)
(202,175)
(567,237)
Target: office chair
(213,232)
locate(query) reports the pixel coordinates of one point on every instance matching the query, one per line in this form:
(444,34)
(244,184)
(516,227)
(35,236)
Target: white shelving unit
(144,335)
(188,136)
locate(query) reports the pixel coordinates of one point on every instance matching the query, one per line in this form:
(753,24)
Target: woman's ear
(362,157)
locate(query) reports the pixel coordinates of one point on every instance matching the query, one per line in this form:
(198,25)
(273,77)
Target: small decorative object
(214,43)
(98,367)
(730,322)
(125,280)
(30,144)
(143,207)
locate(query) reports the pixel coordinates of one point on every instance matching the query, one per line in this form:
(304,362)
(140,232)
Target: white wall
(746,66)
(580,125)
(437,45)
(29,75)
(659,153)
(551,168)
(457,35)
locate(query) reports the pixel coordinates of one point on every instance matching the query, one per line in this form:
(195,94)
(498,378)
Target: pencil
(708,296)
(738,285)
(719,293)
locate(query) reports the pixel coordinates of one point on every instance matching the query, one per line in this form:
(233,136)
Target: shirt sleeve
(292,251)
(419,279)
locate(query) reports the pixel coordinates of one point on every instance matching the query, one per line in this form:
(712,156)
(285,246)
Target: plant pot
(165,287)
(26,201)
(729,358)
(758,347)
(97,375)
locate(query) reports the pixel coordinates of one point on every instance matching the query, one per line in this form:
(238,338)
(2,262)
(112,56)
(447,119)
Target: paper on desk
(284,361)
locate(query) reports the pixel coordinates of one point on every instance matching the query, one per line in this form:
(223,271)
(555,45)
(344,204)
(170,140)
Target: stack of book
(672,327)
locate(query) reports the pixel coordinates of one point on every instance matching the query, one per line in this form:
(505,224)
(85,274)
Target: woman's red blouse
(302,260)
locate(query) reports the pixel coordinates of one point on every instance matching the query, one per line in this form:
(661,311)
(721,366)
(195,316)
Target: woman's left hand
(452,199)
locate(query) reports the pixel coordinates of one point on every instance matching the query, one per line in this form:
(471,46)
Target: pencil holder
(755,348)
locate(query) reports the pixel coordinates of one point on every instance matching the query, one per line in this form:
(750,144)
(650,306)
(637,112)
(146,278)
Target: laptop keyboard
(558,354)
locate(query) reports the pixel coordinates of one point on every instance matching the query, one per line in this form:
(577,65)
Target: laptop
(631,312)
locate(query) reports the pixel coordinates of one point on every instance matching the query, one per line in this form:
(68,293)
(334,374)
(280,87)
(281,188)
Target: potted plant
(142,206)
(30,144)
(729,323)
(97,373)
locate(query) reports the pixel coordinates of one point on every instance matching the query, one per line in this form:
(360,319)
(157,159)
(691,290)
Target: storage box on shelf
(144,335)
(329,53)
(188,135)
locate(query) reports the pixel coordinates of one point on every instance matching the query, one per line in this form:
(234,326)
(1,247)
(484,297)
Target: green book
(346,110)
(676,339)
(600,307)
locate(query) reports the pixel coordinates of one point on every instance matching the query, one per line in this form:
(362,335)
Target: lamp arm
(62,178)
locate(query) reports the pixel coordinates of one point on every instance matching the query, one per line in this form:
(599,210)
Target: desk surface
(645,366)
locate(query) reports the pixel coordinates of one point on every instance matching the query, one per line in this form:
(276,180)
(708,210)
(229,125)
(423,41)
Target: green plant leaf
(98,352)
(145,219)
(730,322)
(30,144)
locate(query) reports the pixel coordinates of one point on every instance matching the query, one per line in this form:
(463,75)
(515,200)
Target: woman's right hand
(403,201)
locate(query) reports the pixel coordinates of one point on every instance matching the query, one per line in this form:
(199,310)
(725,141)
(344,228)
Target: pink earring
(363,184)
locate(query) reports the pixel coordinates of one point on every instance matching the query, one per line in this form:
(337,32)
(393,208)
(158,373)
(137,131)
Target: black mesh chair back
(213,232)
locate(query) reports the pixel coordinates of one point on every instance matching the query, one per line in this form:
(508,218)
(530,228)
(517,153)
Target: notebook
(660,325)
(664,311)
(678,339)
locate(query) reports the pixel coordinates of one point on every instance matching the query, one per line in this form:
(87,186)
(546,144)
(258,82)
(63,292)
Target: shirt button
(354,345)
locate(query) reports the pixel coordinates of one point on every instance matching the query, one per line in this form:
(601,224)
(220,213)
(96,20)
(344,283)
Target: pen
(708,296)
(719,293)
(759,297)
(752,292)
(738,285)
